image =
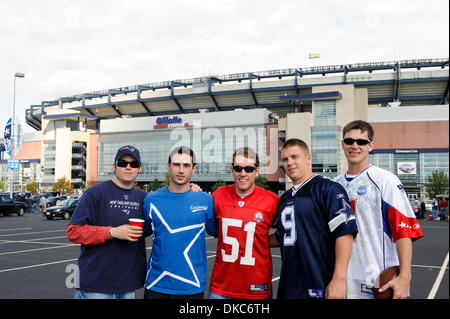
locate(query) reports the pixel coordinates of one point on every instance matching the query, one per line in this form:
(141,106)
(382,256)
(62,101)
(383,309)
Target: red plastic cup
(136,222)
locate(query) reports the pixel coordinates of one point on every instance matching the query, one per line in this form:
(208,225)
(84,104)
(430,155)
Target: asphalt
(37,260)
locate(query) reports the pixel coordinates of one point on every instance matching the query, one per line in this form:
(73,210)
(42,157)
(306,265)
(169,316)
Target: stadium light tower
(13,140)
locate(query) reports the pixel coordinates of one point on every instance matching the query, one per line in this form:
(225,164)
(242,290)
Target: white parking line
(425,266)
(15,229)
(32,241)
(36,249)
(438,279)
(37,232)
(38,265)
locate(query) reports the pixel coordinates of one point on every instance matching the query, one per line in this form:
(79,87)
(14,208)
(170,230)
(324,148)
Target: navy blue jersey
(309,220)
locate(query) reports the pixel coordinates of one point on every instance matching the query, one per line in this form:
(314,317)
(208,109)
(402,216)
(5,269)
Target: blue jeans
(79,294)
(213,295)
(433,212)
(443,214)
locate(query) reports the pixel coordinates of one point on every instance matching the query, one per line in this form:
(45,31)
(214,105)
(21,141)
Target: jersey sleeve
(396,209)
(87,234)
(341,220)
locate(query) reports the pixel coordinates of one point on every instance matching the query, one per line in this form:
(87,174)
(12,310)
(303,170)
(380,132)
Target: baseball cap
(127,150)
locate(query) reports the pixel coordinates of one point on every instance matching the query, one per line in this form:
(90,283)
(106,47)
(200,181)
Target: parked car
(64,209)
(9,206)
(54,200)
(50,201)
(415,204)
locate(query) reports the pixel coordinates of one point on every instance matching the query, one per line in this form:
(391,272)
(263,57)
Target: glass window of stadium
(430,162)
(213,151)
(324,138)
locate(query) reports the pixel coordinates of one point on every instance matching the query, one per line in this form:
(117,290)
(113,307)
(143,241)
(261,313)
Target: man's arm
(273,241)
(96,235)
(336,289)
(401,284)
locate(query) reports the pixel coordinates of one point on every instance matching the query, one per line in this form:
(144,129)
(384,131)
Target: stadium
(406,101)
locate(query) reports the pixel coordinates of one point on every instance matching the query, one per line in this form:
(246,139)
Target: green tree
(32,187)
(63,185)
(436,184)
(261,181)
(2,186)
(217,185)
(153,185)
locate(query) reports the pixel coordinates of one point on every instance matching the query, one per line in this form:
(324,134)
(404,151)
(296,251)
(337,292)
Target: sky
(72,47)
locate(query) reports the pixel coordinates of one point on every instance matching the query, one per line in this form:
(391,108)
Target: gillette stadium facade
(406,101)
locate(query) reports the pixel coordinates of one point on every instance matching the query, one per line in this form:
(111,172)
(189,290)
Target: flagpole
(13,140)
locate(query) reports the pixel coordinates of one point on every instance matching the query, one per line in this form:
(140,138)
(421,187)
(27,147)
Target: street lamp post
(13,140)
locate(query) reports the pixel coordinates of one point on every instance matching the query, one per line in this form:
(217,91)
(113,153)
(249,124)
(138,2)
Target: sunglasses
(133,164)
(247,169)
(360,142)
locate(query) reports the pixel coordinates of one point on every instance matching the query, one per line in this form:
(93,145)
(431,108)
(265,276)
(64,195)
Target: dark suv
(9,206)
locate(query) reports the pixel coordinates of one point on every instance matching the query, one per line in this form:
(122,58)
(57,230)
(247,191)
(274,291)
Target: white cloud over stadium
(71,47)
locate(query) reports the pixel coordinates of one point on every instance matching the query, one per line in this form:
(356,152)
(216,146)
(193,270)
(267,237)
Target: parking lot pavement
(37,260)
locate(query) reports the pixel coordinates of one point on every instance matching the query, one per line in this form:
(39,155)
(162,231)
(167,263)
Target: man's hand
(400,285)
(195,188)
(126,232)
(336,289)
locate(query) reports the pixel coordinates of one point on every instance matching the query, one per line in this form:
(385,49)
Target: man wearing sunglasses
(112,261)
(245,212)
(387,225)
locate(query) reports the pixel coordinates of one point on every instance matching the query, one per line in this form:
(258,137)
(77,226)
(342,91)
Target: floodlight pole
(13,140)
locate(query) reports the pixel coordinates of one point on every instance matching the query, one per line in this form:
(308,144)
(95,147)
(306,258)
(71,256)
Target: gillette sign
(169,122)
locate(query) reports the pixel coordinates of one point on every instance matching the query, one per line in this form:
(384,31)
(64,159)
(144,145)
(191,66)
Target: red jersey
(243,265)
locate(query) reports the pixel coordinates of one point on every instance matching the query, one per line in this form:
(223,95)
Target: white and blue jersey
(177,264)
(310,218)
(383,215)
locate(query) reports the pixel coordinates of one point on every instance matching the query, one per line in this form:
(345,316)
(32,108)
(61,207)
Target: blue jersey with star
(177,264)
(309,220)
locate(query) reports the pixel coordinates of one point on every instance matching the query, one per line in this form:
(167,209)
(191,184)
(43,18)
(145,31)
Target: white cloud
(70,47)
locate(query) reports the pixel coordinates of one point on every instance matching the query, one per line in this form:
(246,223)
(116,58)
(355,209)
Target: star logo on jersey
(342,215)
(181,268)
(241,203)
(403,225)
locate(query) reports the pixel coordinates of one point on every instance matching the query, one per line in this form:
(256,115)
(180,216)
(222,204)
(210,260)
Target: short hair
(296,142)
(363,126)
(247,152)
(182,150)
